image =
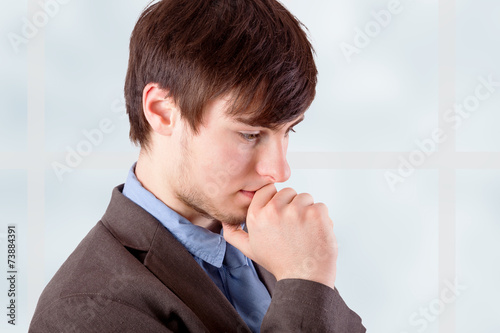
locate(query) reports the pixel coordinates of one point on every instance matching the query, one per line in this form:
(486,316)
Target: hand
(289,235)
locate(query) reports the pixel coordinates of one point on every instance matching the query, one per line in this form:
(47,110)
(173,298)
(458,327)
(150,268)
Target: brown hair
(202,49)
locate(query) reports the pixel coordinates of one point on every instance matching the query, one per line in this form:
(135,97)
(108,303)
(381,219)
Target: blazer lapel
(171,263)
(177,269)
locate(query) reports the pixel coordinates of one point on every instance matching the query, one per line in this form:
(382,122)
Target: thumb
(238,238)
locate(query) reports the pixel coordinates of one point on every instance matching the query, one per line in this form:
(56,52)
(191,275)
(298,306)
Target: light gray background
(398,247)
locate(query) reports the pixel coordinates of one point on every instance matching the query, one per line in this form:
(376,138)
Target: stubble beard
(194,197)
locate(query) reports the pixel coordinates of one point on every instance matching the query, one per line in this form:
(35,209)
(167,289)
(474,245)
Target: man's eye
(250,136)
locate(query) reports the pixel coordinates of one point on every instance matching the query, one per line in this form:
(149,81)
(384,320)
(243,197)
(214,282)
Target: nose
(272,162)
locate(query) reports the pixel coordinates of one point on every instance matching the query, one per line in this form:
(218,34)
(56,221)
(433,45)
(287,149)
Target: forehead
(223,109)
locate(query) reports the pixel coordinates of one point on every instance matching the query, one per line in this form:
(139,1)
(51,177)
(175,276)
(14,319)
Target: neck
(154,177)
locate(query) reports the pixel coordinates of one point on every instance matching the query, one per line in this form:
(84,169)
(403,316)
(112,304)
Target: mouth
(249,194)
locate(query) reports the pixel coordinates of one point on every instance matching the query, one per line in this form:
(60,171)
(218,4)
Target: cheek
(228,168)
(238,166)
(238,158)
(223,161)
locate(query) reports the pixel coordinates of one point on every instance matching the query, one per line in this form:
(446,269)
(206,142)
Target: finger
(284,197)
(303,199)
(262,197)
(323,209)
(238,238)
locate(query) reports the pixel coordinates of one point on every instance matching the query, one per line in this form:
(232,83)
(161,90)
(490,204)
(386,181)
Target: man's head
(202,74)
(198,50)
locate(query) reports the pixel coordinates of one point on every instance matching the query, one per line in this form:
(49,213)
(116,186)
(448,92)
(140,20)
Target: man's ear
(160,109)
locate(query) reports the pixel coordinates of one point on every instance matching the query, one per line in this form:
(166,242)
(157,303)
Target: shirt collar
(200,242)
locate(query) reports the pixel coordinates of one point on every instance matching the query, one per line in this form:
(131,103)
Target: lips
(249,194)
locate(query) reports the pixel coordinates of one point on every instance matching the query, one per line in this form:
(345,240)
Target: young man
(198,239)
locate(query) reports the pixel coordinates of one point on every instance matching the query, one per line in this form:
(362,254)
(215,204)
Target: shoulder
(104,283)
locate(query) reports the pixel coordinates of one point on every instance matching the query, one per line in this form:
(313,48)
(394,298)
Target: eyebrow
(248,122)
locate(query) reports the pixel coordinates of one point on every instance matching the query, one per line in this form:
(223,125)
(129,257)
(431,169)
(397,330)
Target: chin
(233,222)
(234,218)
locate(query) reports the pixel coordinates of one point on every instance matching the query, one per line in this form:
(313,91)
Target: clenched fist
(289,235)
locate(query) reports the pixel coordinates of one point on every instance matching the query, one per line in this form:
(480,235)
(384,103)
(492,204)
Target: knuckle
(272,205)
(306,197)
(294,210)
(270,213)
(317,211)
(322,208)
(311,213)
(288,190)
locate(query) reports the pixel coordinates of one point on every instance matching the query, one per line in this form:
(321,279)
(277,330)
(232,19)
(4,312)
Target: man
(198,239)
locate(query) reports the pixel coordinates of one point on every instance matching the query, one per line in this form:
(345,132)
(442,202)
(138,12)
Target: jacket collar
(200,242)
(171,263)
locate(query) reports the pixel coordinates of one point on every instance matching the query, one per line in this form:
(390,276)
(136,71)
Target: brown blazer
(129,274)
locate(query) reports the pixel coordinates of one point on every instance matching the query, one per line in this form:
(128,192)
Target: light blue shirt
(231,271)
